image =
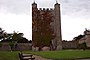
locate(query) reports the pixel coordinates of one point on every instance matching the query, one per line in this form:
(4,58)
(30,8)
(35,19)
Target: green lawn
(64,55)
(7,55)
(56,55)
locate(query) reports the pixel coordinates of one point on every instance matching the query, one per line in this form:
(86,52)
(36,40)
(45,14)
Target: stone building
(86,38)
(78,41)
(55,24)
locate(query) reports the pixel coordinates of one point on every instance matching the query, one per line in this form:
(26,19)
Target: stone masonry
(55,25)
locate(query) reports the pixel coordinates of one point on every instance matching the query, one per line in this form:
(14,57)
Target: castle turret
(34,5)
(58,26)
(34,19)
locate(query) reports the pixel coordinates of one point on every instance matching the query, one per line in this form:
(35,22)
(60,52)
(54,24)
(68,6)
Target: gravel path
(40,58)
(84,59)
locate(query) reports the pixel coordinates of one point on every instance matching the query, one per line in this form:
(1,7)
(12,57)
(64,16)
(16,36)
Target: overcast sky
(16,15)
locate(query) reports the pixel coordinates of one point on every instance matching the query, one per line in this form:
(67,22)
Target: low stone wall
(5,47)
(69,44)
(24,46)
(28,46)
(19,46)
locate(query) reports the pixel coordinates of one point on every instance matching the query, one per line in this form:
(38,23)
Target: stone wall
(69,44)
(86,38)
(20,46)
(4,47)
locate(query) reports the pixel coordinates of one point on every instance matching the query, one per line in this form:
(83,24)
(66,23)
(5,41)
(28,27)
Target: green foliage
(9,37)
(22,40)
(82,46)
(79,37)
(11,44)
(18,37)
(0,44)
(6,55)
(2,34)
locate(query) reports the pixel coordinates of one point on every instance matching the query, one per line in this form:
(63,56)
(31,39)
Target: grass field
(64,55)
(56,55)
(7,55)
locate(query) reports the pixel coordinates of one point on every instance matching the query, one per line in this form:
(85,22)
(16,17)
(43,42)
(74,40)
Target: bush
(0,44)
(82,46)
(11,44)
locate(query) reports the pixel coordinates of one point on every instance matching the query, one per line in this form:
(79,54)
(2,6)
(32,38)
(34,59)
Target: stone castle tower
(37,14)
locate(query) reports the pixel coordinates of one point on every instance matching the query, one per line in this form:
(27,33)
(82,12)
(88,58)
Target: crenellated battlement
(45,9)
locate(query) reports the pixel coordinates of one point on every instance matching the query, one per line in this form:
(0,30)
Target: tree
(13,37)
(23,40)
(82,46)
(19,37)
(9,37)
(3,35)
(79,37)
(11,44)
(30,41)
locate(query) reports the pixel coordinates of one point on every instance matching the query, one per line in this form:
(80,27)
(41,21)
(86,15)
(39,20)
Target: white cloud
(16,6)
(17,15)
(72,26)
(21,23)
